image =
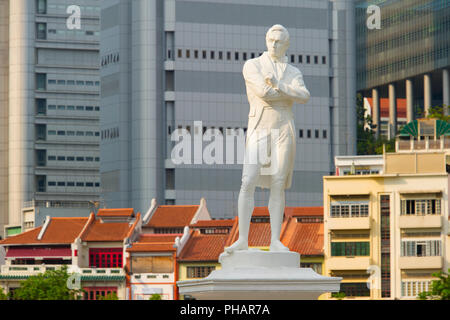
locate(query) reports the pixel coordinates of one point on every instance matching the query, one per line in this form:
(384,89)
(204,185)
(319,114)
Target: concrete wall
(4,112)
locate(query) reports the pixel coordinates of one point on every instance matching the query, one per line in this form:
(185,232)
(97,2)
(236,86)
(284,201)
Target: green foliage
(155,297)
(51,285)
(3,296)
(338,295)
(440,289)
(109,296)
(367,143)
(436,112)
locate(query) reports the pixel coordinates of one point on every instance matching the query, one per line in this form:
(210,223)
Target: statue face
(276,44)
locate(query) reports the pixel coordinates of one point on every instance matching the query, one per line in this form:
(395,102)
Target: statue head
(277,40)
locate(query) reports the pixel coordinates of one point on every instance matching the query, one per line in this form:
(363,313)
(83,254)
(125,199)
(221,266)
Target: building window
(300,133)
(324,134)
(343,209)
(316,59)
(41,81)
(196,54)
(308,59)
(41,31)
(324,60)
(420,207)
(308,133)
(204,54)
(236,56)
(41,106)
(212,55)
(421,248)
(316,134)
(96,293)
(300,58)
(41,6)
(199,271)
(188,54)
(41,132)
(355,289)
(105,258)
(350,249)
(170,179)
(317,267)
(244,56)
(41,158)
(414,288)
(228,55)
(41,183)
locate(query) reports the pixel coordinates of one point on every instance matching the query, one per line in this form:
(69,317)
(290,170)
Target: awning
(31,252)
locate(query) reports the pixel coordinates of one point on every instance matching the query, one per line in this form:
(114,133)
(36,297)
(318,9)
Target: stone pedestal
(260,275)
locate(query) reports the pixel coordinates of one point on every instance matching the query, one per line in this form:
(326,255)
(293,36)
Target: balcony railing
(30,270)
(442,143)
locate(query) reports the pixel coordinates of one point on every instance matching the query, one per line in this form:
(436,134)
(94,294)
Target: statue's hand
(271,80)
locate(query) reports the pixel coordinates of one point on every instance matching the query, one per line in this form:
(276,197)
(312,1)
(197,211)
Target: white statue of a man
(272,88)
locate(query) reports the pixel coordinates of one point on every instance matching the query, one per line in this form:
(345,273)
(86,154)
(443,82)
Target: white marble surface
(260,275)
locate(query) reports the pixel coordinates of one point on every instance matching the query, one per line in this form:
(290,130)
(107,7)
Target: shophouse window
(420,207)
(105,257)
(199,271)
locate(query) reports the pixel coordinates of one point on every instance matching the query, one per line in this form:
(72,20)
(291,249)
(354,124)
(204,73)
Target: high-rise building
(49,96)
(406,56)
(167,64)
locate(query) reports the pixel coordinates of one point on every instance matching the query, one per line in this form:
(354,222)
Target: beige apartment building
(386,233)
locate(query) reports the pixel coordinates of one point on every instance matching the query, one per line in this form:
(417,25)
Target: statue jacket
(291,89)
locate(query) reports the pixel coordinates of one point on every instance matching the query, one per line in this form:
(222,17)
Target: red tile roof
(303,211)
(213,223)
(258,235)
(203,247)
(152,247)
(304,238)
(154,243)
(173,216)
(125,212)
(59,231)
(99,231)
(290,211)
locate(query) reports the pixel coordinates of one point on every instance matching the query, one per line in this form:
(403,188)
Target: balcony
(24,271)
(421,262)
(420,221)
(348,263)
(356,223)
(153,277)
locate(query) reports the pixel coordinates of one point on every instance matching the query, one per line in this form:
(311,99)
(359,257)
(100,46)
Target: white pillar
(376,110)
(445,90)
(22,78)
(427,94)
(409,100)
(392,111)
(4,112)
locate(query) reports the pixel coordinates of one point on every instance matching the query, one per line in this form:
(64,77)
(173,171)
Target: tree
(109,296)
(155,296)
(436,112)
(367,143)
(440,289)
(51,285)
(3,296)
(338,295)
